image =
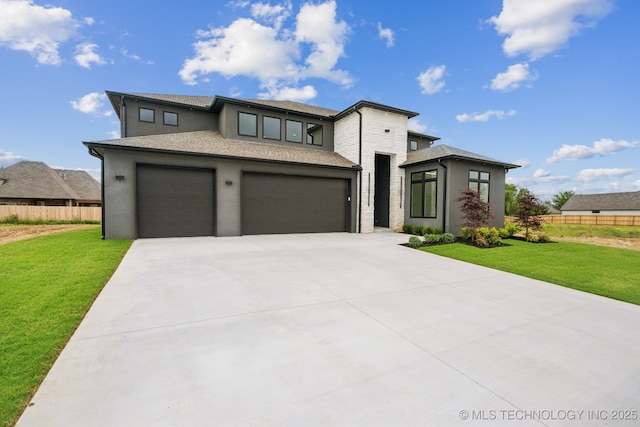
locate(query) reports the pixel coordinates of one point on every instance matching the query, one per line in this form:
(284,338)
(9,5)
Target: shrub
(415,242)
(476,212)
(538,238)
(487,237)
(465,233)
(508,230)
(418,230)
(530,210)
(438,230)
(11,219)
(448,238)
(432,238)
(407,228)
(427,230)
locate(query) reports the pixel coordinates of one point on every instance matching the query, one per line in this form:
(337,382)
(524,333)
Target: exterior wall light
(119,177)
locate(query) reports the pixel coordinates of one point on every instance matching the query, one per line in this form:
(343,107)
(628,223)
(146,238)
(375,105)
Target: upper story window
(293,131)
(146,115)
(479,181)
(247,124)
(170,119)
(413,145)
(424,194)
(314,134)
(270,127)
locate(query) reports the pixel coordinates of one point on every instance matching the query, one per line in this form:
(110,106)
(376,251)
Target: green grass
(606,271)
(47,284)
(604,231)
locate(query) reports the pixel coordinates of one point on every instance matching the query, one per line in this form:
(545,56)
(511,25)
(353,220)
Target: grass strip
(606,271)
(47,285)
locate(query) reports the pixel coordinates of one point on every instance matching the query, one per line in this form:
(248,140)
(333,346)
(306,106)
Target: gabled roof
(605,201)
(36,180)
(442,151)
(212,143)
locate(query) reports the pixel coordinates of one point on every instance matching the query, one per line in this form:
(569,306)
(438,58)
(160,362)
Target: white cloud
(537,28)
(602,147)
(416,126)
(92,103)
(7,158)
(431,81)
(89,20)
(303,94)
(114,134)
(35,29)
(512,78)
(541,173)
(636,183)
(85,55)
(524,163)
(386,34)
(272,54)
(588,175)
(483,117)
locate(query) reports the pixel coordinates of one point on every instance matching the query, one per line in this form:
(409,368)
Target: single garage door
(293,204)
(175,202)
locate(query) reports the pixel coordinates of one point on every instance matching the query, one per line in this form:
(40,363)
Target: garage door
(175,202)
(293,204)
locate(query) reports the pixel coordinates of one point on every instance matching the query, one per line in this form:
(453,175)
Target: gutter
(123,119)
(444,197)
(94,153)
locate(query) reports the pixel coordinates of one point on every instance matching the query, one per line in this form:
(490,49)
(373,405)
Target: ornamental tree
(529,215)
(476,212)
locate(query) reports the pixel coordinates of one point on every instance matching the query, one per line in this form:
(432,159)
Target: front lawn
(47,285)
(606,271)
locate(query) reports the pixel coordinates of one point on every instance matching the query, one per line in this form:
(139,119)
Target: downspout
(123,119)
(444,196)
(94,153)
(360,172)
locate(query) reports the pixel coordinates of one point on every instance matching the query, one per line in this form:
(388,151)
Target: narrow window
(424,194)
(170,119)
(146,115)
(293,131)
(479,181)
(247,124)
(270,127)
(314,134)
(413,145)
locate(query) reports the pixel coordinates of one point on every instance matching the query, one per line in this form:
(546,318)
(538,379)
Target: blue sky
(552,85)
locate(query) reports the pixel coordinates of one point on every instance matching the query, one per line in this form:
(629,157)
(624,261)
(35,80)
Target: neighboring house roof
(442,151)
(606,201)
(36,180)
(212,143)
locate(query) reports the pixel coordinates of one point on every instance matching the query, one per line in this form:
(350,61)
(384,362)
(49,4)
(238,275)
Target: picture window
(146,115)
(247,124)
(270,127)
(293,131)
(170,119)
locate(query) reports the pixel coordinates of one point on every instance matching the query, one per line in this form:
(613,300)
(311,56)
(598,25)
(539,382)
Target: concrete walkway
(338,329)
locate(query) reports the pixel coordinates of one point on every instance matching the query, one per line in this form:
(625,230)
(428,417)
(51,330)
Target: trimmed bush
(465,233)
(427,230)
(438,230)
(432,238)
(407,228)
(487,237)
(418,230)
(415,242)
(448,238)
(508,230)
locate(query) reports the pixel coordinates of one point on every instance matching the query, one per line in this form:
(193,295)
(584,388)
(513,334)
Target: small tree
(476,212)
(530,210)
(561,198)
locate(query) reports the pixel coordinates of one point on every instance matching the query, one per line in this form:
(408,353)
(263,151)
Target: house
(35,183)
(200,165)
(605,204)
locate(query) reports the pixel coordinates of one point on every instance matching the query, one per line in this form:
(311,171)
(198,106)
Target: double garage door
(181,202)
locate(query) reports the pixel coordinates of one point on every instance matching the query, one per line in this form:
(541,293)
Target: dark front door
(381,192)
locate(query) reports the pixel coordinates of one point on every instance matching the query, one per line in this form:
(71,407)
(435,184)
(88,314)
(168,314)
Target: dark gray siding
(188,119)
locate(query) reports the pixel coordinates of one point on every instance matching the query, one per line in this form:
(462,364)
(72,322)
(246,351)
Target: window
(293,132)
(247,124)
(146,115)
(170,119)
(413,145)
(314,134)
(270,127)
(479,181)
(424,194)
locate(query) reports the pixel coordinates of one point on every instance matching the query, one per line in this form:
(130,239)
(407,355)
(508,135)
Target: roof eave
(462,158)
(363,104)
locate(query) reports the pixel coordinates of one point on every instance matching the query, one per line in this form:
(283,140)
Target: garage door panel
(175,202)
(293,204)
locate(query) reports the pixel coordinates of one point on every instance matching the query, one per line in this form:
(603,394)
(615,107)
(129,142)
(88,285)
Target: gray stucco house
(200,165)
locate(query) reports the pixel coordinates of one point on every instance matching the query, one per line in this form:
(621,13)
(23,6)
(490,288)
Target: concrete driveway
(338,329)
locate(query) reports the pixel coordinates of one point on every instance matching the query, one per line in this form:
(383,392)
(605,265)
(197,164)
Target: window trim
(256,124)
(164,118)
(279,138)
(422,181)
(153,115)
(286,122)
(478,181)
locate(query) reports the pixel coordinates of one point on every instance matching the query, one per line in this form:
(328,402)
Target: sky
(551,85)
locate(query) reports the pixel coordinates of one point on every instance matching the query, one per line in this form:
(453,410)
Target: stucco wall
(188,120)
(120,195)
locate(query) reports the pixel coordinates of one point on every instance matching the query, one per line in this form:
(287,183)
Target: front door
(381,191)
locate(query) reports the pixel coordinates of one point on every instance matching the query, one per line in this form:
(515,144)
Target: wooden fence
(617,220)
(52,213)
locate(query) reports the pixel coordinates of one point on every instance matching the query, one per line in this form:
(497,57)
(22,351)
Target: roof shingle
(443,151)
(605,201)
